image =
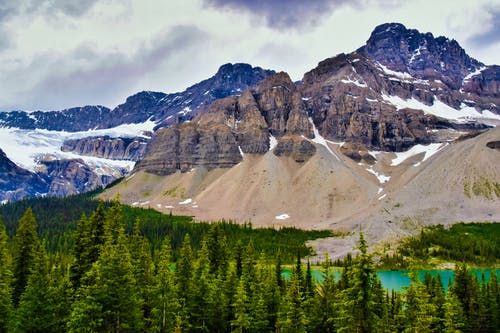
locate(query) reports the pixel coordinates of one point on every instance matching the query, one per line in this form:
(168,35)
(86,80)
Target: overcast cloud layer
(56,54)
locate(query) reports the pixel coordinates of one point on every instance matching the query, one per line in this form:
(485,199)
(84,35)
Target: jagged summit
(420,54)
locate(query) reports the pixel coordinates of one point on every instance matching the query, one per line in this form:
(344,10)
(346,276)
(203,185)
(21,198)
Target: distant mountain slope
(230,79)
(17,183)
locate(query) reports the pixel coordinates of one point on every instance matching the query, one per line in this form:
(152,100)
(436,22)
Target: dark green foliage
(109,298)
(5,282)
(58,218)
(44,306)
(473,243)
(26,250)
(126,284)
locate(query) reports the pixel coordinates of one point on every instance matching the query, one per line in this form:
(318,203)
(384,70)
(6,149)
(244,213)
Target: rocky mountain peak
(419,54)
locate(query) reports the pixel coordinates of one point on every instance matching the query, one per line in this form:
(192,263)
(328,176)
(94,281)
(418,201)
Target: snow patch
(383,196)
(471,75)
(355,82)
(186,202)
(429,150)
(282,217)
(241,151)
(320,140)
(169,207)
(272,142)
(394,73)
(440,109)
(306,98)
(27,147)
(187,109)
(381,177)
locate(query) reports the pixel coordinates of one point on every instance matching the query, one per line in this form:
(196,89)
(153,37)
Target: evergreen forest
(102,277)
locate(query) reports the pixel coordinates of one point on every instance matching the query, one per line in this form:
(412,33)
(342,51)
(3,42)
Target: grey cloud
(286,14)
(110,75)
(45,7)
(283,14)
(70,7)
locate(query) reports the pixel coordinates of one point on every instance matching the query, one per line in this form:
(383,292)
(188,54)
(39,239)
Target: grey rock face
(17,183)
(131,149)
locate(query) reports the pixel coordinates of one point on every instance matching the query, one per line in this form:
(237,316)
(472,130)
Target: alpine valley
(395,135)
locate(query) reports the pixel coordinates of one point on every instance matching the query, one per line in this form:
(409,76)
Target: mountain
(17,183)
(395,135)
(405,115)
(105,143)
(160,107)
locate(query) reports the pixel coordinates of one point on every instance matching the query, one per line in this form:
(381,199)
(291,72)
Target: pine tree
(43,306)
(357,300)
(143,267)
(278,271)
(184,272)
(164,304)
(89,239)
(5,282)
(298,272)
(291,317)
(26,248)
(419,311)
(454,316)
(108,299)
(242,320)
(217,249)
(308,282)
(324,310)
(198,301)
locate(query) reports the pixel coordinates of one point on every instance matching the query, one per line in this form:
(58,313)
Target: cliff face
(73,176)
(234,126)
(17,183)
(131,149)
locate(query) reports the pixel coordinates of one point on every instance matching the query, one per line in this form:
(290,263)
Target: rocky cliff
(401,89)
(72,176)
(131,149)
(17,183)
(234,126)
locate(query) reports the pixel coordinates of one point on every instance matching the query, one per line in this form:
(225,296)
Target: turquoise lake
(397,280)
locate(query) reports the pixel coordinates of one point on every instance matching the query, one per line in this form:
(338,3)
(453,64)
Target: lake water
(397,280)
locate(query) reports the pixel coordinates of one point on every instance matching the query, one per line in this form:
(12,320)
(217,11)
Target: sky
(56,54)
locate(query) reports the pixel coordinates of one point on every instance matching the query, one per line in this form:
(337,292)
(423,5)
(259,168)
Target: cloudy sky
(56,54)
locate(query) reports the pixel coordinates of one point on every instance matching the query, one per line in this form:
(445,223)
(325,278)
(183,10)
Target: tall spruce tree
(5,282)
(26,248)
(357,310)
(143,267)
(164,303)
(291,317)
(43,306)
(419,311)
(89,239)
(108,299)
